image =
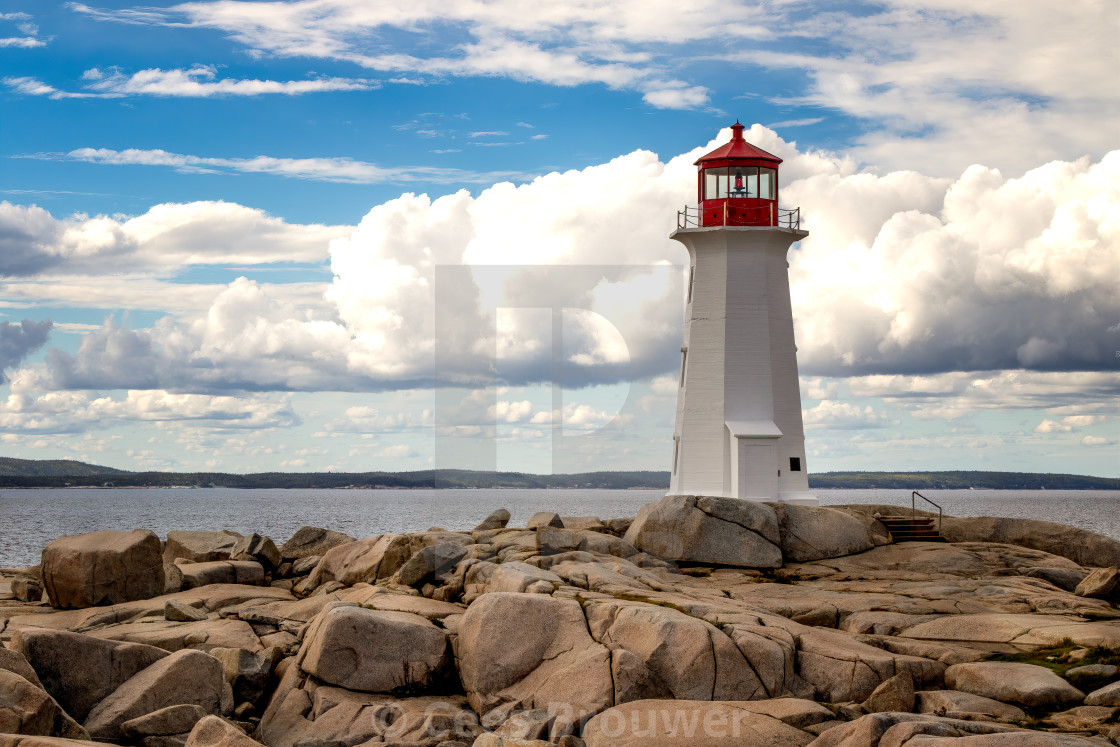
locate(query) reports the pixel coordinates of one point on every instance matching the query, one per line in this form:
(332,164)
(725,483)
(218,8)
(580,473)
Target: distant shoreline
(27,473)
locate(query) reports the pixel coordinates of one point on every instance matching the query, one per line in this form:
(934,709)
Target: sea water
(29,519)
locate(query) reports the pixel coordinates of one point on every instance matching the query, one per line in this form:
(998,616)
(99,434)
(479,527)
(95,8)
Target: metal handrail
(914,511)
(690,216)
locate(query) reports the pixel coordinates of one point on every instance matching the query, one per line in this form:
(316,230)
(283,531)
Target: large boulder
(80,670)
(1109,695)
(812,533)
(15,662)
(512,576)
(668,723)
(895,729)
(895,694)
(675,654)
(247,572)
(177,611)
(248,673)
(212,731)
(718,531)
(533,651)
(1066,579)
(27,709)
(312,541)
(306,712)
(27,588)
(184,677)
(434,560)
(374,651)
(1102,583)
(199,547)
(496,520)
(106,567)
(772,653)
(1079,545)
(169,721)
(361,561)
(1083,547)
(843,669)
(255,547)
(1011,682)
(545,519)
(957,704)
(173,636)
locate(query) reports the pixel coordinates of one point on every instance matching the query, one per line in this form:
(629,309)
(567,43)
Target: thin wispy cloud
(795,123)
(34,87)
(200,81)
(344,170)
(30,31)
(26,42)
(203,81)
(568,44)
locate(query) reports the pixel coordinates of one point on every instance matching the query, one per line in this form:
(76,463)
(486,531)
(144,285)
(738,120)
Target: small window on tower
(795,464)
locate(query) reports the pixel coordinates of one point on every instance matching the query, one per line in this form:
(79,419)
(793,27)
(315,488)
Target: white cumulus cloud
(915,279)
(166,238)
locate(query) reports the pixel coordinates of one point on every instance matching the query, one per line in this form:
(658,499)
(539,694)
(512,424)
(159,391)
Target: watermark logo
(500,329)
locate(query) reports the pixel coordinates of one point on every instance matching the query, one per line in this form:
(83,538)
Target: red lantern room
(737,185)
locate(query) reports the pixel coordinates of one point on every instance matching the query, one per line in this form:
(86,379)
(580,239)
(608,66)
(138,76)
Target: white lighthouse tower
(739,432)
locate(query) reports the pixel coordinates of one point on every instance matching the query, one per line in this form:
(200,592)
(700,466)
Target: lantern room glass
(767,183)
(740,182)
(715,184)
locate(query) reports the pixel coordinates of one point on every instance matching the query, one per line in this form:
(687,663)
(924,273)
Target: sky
(314,235)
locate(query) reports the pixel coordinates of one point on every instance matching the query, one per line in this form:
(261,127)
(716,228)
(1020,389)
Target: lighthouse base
(796,499)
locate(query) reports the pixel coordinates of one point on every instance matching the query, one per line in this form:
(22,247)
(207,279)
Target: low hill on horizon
(962,480)
(53,467)
(57,473)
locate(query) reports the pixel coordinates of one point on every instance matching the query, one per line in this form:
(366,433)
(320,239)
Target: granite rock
(106,567)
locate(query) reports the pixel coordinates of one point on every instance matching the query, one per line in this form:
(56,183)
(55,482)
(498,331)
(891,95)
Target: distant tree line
(31,473)
(962,480)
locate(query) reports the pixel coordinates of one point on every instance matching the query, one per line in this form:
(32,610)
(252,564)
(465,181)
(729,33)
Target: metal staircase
(915,528)
(911,530)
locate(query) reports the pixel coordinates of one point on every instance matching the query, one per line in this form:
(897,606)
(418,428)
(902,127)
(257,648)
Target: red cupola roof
(737,149)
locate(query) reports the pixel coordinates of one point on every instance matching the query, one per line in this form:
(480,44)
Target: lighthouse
(739,432)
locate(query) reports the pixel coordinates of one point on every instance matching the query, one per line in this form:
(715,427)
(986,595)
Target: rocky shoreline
(701,621)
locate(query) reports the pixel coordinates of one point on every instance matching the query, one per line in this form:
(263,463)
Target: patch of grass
(1102,655)
(777,576)
(1054,657)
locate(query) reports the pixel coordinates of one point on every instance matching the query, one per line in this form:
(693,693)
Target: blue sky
(223,227)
